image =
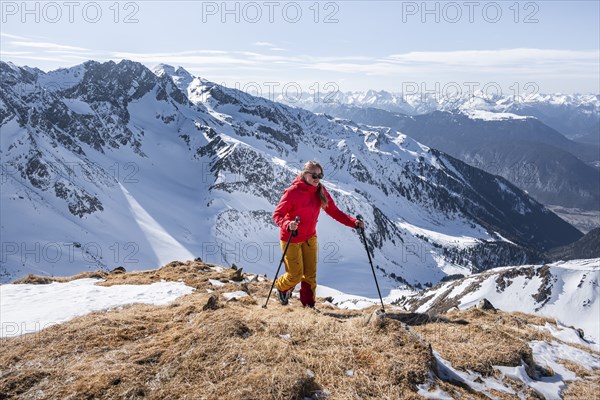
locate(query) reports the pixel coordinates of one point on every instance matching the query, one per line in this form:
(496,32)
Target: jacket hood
(300,184)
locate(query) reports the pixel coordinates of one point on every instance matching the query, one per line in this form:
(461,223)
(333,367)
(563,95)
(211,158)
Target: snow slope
(568,291)
(29,308)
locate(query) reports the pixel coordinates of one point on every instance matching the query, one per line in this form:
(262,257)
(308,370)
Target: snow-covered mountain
(533,156)
(109,164)
(568,291)
(577,116)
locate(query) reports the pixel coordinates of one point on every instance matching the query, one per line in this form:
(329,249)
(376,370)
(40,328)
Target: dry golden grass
(202,347)
(232,350)
(476,339)
(583,390)
(589,388)
(43,280)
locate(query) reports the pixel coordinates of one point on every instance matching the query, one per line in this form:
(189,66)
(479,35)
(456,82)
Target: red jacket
(302,200)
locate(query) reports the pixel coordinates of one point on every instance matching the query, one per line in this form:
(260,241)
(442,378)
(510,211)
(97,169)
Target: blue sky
(545,46)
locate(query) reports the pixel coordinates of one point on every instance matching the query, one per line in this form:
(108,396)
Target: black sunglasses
(316,176)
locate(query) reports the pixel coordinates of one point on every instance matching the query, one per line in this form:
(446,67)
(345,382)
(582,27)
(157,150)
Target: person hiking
(304,199)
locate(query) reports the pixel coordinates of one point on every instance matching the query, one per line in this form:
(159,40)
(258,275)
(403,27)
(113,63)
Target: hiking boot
(284,297)
(312,308)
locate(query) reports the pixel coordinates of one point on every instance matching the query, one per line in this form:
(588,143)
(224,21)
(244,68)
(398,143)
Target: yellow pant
(300,266)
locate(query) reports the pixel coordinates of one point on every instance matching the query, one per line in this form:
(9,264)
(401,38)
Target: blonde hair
(312,164)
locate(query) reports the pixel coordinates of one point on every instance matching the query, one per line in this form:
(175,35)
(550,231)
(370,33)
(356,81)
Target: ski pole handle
(360,218)
(295,232)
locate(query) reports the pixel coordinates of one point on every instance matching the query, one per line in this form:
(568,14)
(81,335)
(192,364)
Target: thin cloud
(16,53)
(264,44)
(46,45)
(37,58)
(230,58)
(8,35)
(218,60)
(269,45)
(464,65)
(494,57)
(505,61)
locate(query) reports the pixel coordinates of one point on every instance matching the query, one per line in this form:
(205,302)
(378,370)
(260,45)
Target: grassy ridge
(204,347)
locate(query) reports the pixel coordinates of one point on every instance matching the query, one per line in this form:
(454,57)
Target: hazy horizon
(552,47)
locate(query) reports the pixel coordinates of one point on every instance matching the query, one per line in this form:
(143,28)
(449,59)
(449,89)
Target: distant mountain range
(110,164)
(577,116)
(533,156)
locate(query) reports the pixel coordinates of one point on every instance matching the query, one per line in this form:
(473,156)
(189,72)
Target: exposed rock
(212,303)
(544,292)
(484,304)
(376,318)
(238,275)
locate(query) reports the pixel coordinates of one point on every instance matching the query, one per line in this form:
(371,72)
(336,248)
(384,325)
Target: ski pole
(362,232)
(292,233)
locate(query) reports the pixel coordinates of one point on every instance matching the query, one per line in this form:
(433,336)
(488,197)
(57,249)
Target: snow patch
(29,308)
(492,116)
(234,295)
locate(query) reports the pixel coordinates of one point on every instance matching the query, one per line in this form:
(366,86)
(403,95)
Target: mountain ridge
(116,146)
(585,247)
